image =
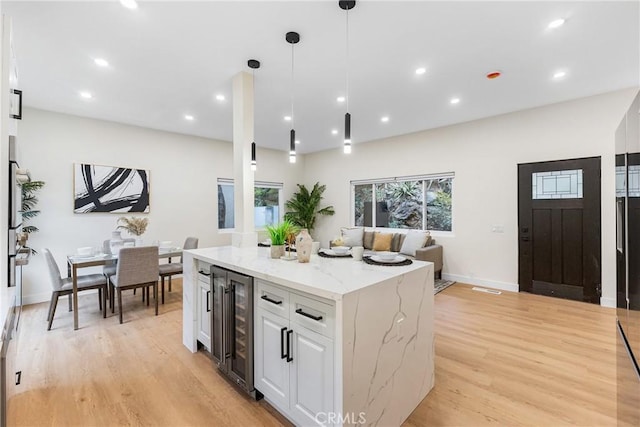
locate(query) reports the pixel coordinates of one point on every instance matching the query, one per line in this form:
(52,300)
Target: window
(267,210)
(418,203)
(557,184)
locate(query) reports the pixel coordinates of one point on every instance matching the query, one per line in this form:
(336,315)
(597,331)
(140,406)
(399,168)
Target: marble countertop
(329,278)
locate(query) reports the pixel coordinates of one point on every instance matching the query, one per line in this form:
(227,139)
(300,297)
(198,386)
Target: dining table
(76,262)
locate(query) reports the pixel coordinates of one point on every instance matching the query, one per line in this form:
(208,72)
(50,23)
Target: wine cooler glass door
(240,318)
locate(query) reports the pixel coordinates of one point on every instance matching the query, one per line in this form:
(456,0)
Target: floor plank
(510,359)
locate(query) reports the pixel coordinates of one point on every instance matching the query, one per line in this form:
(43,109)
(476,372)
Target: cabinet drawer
(312,314)
(272,298)
(203,271)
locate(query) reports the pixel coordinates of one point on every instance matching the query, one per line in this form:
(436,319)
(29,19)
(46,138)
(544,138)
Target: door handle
(283,352)
(272,301)
(208,299)
(289,334)
(19,115)
(525,238)
(310,316)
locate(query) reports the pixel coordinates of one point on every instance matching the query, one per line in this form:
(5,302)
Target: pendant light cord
(293,81)
(347,30)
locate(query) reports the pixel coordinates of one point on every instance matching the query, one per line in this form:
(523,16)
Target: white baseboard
(36,298)
(511,287)
(608,302)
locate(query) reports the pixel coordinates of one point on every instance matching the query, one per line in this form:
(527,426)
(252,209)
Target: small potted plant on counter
(279,235)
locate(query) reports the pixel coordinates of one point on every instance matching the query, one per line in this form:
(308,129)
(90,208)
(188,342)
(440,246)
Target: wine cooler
(232,326)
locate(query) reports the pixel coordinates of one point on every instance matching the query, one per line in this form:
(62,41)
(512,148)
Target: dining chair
(174,268)
(136,268)
(65,286)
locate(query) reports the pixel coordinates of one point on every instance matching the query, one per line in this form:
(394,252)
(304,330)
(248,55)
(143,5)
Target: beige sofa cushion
(367,239)
(382,241)
(413,241)
(352,236)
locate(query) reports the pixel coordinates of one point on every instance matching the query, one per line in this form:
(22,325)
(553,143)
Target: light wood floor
(511,359)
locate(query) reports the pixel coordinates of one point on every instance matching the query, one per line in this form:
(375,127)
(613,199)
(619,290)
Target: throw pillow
(367,240)
(382,241)
(396,242)
(415,240)
(352,236)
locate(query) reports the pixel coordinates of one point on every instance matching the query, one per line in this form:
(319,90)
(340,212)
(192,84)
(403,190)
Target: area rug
(440,285)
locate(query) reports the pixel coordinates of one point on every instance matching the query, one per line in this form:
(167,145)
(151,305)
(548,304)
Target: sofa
(429,251)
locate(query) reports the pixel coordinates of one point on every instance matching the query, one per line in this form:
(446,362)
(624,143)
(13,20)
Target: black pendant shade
(254,165)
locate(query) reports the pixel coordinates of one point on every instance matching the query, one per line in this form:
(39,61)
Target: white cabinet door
(204,314)
(311,377)
(270,368)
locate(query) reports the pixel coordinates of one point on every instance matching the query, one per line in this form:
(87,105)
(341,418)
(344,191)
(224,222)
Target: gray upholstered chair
(174,268)
(136,268)
(65,286)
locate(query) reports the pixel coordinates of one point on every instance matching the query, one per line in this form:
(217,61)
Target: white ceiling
(168,59)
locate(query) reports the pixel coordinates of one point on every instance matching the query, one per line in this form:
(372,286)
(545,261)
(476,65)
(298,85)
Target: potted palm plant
(280,234)
(304,206)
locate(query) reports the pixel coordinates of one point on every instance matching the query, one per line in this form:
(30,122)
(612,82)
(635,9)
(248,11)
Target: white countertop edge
(324,277)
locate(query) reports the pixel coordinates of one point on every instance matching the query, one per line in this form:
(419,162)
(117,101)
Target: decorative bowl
(340,250)
(386,256)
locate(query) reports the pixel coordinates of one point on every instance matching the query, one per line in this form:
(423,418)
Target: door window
(565,184)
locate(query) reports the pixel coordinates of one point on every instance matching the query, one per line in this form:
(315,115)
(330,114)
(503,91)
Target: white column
(245,234)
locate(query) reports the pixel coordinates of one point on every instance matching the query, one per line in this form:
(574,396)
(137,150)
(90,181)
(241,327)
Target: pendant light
(346,6)
(254,65)
(292,38)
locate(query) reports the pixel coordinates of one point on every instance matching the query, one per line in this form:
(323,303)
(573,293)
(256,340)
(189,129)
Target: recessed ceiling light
(341,99)
(100,62)
(297,141)
(556,23)
(129,4)
(188,117)
(334,131)
(559,74)
(421,70)
(86,95)
(384,119)
(454,100)
(220,97)
(287,118)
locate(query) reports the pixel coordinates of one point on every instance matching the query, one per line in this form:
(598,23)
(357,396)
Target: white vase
(303,245)
(139,241)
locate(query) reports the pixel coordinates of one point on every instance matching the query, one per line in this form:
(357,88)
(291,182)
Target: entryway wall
(484,155)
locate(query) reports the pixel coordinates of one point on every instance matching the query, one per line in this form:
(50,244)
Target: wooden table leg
(75,297)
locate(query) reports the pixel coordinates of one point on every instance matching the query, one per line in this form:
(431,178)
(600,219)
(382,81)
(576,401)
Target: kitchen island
(337,341)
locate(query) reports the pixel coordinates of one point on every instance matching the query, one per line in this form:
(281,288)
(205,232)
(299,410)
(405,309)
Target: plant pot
(277,251)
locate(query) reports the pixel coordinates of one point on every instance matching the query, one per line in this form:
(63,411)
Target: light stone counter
(383,343)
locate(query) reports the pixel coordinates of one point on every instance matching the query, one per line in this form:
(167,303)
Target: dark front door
(559,228)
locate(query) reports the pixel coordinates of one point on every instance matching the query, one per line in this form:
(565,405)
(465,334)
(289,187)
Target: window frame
(256,184)
(424,179)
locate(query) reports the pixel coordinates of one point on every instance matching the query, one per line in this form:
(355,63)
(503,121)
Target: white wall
(484,155)
(183,176)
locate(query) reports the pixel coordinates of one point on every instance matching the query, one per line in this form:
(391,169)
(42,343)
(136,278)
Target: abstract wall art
(110,189)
